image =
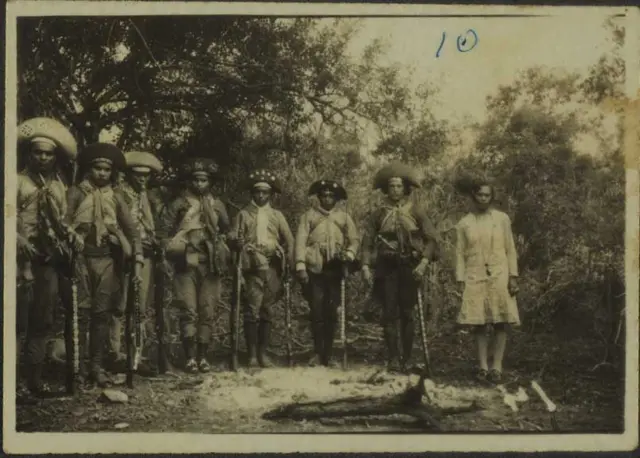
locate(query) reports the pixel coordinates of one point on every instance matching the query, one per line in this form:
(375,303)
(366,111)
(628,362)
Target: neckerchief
(97,209)
(262,223)
(140,209)
(399,220)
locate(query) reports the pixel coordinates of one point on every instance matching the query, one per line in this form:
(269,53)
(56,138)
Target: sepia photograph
(320,227)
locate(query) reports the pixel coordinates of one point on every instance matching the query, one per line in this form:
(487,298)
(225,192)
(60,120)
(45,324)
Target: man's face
(261,196)
(327,199)
(139,180)
(396,189)
(43,161)
(482,197)
(200,183)
(100,173)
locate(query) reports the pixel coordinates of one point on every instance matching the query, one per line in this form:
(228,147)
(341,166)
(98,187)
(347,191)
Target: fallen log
(410,402)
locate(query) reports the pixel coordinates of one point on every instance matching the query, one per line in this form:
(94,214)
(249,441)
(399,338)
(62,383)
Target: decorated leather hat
(43,130)
(320,186)
(102,152)
(143,161)
(196,165)
(265,178)
(396,170)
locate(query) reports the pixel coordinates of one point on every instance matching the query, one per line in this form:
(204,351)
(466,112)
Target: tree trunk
(410,402)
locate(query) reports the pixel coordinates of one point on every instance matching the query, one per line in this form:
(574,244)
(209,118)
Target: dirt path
(226,402)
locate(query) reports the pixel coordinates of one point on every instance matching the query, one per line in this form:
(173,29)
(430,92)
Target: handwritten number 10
(465,42)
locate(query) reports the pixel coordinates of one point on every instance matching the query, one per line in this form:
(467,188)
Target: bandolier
(326,242)
(140,166)
(195,225)
(45,243)
(99,213)
(399,241)
(264,240)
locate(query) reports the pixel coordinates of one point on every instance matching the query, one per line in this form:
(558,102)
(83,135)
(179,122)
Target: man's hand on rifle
(303,276)
(26,248)
(419,271)
(346,256)
(240,242)
(77,242)
(367,276)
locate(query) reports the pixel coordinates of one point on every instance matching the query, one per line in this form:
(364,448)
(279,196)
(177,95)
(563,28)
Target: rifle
(60,238)
(235,307)
(423,330)
(343,315)
(287,314)
(133,327)
(159,277)
(72,339)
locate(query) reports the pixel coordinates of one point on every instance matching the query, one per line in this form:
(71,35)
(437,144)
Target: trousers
(197,295)
(262,289)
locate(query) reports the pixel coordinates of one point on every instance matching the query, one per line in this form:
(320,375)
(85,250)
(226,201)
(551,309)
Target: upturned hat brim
(102,151)
(319,186)
(199,164)
(143,159)
(396,170)
(264,176)
(51,129)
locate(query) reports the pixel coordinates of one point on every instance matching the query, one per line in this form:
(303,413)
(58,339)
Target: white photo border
(104,442)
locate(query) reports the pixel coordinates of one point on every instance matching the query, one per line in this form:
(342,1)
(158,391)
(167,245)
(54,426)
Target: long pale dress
(485,259)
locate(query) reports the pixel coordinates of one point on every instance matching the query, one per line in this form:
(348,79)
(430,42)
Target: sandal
(495,376)
(204,366)
(482,375)
(191,366)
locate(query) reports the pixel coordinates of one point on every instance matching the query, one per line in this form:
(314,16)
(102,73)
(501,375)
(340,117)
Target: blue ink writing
(444,36)
(465,42)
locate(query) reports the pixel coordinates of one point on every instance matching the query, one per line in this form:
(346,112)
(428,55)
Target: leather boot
(97,337)
(34,381)
(251,338)
(407,343)
(203,364)
(316,333)
(191,365)
(264,332)
(36,349)
(329,335)
(391,340)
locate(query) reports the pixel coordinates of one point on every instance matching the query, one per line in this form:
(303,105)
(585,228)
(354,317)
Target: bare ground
(226,402)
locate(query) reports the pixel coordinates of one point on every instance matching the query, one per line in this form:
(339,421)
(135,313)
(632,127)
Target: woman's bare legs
(482,341)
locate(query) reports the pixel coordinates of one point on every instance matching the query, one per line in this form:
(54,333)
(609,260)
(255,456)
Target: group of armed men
(96,229)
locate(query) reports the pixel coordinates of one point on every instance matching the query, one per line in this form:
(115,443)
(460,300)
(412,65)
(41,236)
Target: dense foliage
(284,93)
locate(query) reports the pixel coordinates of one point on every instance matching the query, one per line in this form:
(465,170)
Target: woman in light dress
(487,271)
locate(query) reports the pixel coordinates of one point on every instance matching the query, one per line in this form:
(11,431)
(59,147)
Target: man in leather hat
(99,213)
(140,167)
(264,240)
(44,243)
(326,239)
(195,224)
(404,241)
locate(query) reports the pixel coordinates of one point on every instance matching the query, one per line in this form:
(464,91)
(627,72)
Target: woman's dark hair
(479,184)
(469,185)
